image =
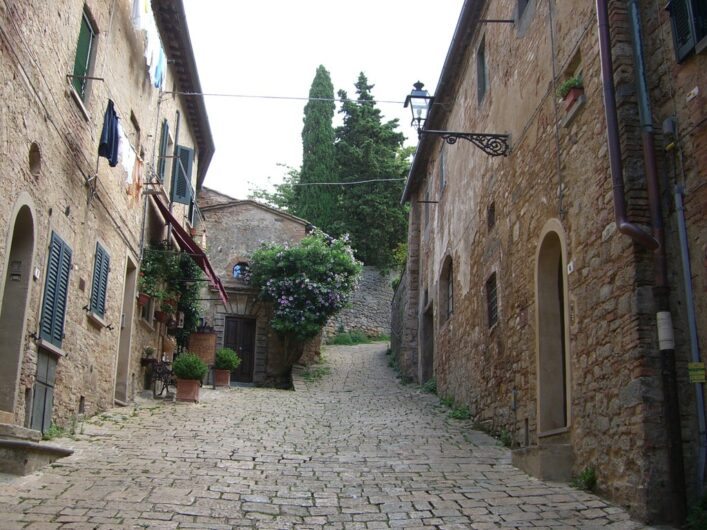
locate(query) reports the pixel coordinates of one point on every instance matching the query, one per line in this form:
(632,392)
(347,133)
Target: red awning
(187,244)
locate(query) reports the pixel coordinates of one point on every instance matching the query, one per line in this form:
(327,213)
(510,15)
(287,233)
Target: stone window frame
(446,290)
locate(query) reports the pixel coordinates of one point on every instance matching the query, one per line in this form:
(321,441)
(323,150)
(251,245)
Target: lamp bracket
(491,144)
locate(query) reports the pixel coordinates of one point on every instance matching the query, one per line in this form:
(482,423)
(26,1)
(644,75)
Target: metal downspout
(694,341)
(661,289)
(654,242)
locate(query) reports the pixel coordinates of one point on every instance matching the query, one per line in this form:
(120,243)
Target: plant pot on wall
(142,299)
(161,316)
(572,96)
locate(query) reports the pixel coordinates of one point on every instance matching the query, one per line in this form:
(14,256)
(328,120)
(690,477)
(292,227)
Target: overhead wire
(294,98)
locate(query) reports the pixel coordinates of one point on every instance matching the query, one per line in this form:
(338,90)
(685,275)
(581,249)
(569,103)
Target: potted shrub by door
(189,370)
(227,360)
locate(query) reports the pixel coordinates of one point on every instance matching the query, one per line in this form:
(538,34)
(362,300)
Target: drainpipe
(654,242)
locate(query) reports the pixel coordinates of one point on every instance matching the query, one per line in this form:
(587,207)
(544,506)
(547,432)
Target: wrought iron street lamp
(420,102)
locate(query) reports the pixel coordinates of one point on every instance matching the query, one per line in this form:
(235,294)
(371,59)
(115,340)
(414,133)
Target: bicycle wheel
(158,386)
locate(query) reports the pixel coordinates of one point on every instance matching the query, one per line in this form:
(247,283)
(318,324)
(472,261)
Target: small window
(442,168)
(491,216)
(240,270)
(446,292)
(492,300)
(56,289)
(85,51)
(99,288)
(147,311)
(181,175)
(689,22)
(481,70)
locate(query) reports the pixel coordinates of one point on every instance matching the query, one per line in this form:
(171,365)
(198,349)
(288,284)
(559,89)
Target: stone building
(75,223)
(541,285)
(236,229)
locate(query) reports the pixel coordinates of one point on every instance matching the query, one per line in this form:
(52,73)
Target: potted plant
(227,360)
(148,356)
(570,90)
(142,299)
(189,370)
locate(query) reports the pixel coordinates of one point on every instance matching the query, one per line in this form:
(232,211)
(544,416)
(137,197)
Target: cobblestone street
(353,449)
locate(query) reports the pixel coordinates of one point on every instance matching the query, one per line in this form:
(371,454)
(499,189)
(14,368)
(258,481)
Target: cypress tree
(318,204)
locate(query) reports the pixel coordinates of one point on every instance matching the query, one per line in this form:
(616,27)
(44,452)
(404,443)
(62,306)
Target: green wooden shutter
(181,175)
(164,140)
(56,290)
(83,55)
(100,281)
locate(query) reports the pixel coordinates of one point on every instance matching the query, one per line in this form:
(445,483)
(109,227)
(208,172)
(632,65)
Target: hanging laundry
(127,154)
(141,10)
(161,70)
(108,145)
(136,185)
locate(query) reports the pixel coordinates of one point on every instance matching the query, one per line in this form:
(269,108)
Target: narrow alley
(351,449)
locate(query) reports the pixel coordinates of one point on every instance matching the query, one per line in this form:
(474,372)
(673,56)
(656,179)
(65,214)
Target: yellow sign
(696,372)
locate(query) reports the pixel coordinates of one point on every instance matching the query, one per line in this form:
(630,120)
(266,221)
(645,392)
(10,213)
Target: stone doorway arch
(13,308)
(552,325)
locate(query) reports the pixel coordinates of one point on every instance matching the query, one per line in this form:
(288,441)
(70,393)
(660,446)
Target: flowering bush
(307,283)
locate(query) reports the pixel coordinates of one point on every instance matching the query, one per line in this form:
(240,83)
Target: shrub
(307,283)
(586,480)
(348,338)
(460,413)
(227,359)
(430,386)
(189,366)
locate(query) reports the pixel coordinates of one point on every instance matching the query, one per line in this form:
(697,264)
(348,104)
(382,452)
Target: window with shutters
(99,288)
(85,53)
(689,22)
(181,175)
(164,143)
(56,288)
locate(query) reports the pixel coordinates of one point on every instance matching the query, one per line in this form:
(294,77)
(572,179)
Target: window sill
(79,103)
(96,320)
(147,325)
(51,348)
(554,432)
(574,109)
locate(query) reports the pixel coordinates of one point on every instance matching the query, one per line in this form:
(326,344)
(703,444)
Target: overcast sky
(273,48)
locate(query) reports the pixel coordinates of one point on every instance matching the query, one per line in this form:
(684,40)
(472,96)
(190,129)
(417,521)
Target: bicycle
(161,378)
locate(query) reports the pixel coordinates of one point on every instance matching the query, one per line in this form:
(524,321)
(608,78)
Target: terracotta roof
(236,202)
(172,24)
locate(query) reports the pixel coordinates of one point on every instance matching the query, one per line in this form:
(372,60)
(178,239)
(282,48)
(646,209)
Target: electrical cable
(345,183)
(295,98)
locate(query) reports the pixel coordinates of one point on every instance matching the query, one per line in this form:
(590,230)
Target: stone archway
(15,295)
(551,331)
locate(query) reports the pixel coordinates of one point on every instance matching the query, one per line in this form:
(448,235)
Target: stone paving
(352,450)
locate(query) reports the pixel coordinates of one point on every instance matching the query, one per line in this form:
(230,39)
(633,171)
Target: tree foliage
(307,283)
(283,196)
(369,149)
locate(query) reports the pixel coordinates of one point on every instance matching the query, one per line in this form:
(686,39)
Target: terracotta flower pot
(142,299)
(188,390)
(161,316)
(572,96)
(222,377)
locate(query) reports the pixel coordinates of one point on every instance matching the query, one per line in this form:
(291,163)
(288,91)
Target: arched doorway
(18,270)
(552,337)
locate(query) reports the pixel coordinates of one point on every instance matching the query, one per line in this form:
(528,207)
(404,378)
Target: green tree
(283,196)
(318,204)
(369,149)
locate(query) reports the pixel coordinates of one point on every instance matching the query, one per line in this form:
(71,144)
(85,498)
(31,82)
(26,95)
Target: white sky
(273,48)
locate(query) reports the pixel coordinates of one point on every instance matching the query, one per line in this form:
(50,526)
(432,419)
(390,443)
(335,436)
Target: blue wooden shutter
(100,281)
(162,161)
(181,175)
(56,289)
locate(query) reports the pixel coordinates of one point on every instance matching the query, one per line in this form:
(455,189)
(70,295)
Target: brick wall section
(559,170)
(37,50)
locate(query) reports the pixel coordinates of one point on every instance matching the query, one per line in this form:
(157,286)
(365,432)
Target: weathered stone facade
(368,310)
(546,328)
(55,183)
(236,229)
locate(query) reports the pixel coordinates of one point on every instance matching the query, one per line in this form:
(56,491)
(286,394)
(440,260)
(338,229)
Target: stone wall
(397,318)
(369,307)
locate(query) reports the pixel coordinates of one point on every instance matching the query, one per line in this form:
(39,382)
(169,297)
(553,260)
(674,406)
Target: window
(491,300)
(99,287)
(181,175)
(689,21)
(481,70)
(147,311)
(447,290)
(85,51)
(442,168)
(491,216)
(56,287)
(162,160)
(240,270)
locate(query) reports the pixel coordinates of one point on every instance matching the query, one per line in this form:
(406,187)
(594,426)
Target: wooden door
(240,337)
